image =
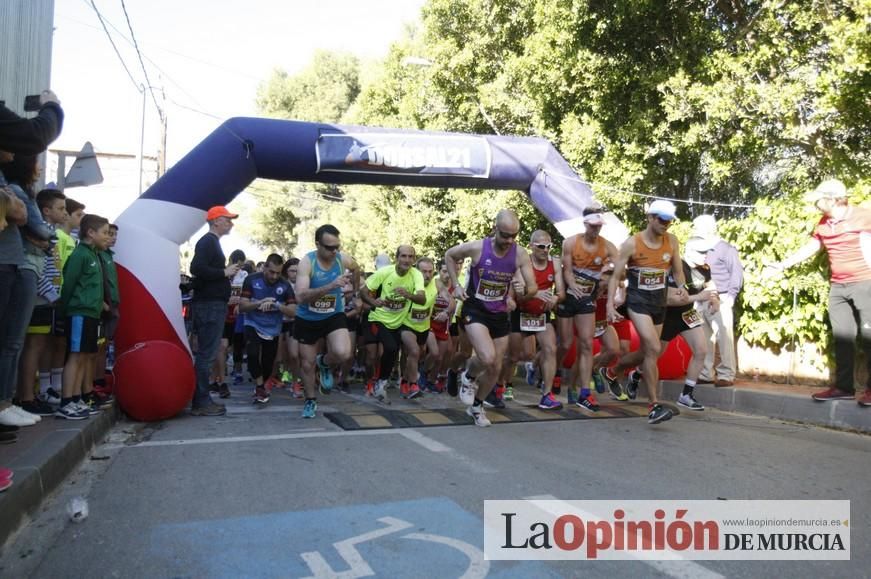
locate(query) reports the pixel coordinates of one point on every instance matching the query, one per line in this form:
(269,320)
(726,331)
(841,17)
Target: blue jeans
(208,318)
(20,296)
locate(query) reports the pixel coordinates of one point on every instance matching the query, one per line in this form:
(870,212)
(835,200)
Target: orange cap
(219,211)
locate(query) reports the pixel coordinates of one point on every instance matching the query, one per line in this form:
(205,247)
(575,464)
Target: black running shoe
(453,383)
(493,401)
(659,413)
(633,383)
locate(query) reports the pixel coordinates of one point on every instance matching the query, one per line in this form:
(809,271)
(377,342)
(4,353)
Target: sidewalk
(781,401)
(47,453)
(43,457)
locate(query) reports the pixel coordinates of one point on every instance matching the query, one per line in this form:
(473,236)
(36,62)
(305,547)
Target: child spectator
(83,300)
(102,392)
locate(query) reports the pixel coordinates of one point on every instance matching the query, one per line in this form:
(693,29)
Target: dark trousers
(261,353)
(208,319)
(849,312)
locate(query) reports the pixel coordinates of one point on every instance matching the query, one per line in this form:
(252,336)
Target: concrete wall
(26,28)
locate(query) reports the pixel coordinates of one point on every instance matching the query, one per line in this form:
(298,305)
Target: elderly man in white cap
(845,233)
(727,273)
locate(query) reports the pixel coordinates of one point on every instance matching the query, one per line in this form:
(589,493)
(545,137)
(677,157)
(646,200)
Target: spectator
(727,273)
(31,136)
(840,232)
(83,301)
(102,392)
(211,294)
(33,238)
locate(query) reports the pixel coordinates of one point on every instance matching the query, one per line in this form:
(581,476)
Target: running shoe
(273,382)
(440,385)
(297,389)
(214,387)
(453,382)
(370,387)
(478,415)
(833,394)
(50,396)
(548,402)
(261,395)
(324,372)
(557,385)
(589,403)
(380,391)
(493,401)
(633,383)
(310,408)
(658,413)
(530,373)
(286,377)
(413,391)
(90,406)
(572,395)
(71,412)
(613,385)
(403,388)
(210,409)
(598,382)
(467,389)
(237,378)
(689,401)
(224,391)
(509,392)
(37,407)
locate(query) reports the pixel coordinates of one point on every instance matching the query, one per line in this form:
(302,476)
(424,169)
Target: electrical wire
(593,185)
(142,63)
(112,42)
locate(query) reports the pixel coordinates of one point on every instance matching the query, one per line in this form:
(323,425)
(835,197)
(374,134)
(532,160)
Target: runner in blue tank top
(320,313)
(495,260)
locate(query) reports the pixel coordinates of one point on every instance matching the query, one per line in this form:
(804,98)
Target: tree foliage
(746,103)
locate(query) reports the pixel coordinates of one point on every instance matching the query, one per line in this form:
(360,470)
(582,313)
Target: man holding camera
(265,300)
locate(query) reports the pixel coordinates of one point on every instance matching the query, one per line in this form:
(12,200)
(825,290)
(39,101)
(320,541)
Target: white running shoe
(8,417)
(25,414)
(478,415)
(380,391)
(468,388)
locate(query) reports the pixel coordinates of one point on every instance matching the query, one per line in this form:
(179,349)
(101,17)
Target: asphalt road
(264,493)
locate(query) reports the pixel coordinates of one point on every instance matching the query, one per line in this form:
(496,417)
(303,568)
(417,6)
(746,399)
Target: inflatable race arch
(154,371)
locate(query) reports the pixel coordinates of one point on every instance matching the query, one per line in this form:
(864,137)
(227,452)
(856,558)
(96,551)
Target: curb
(45,466)
(839,414)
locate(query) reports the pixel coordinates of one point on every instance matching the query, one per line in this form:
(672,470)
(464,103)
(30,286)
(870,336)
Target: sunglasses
(663,221)
(330,247)
(504,235)
(546,246)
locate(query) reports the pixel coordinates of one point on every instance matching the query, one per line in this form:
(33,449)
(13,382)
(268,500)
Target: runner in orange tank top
(590,256)
(647,257)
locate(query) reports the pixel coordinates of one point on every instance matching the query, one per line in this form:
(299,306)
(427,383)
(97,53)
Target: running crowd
(461,330)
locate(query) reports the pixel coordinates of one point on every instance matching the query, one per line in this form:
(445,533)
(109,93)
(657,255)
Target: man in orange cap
(211,286)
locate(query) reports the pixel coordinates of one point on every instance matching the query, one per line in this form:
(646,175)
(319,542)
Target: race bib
(491,291)
(691,318)
(533,323)
(586,286)
(650,280)
(394,304)
(419,315)
(601,326)
(325,304)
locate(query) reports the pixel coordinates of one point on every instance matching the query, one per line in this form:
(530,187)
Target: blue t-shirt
(256,288)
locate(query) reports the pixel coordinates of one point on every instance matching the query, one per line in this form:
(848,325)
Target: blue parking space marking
(419,538)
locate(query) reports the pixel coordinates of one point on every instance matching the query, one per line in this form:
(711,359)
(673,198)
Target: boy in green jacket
(83,301)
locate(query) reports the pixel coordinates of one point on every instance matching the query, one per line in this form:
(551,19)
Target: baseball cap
(704,226)
(662,208)
(828,189)
(219,211)
(594,219)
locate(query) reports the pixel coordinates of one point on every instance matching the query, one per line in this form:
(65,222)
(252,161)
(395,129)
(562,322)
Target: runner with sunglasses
(320,313)
(590,256)
(532,323)
(495,260)
(648,257)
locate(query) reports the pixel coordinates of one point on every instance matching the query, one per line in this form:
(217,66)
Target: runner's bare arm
(559,281)
(567,274)
(524,265)
(677,263)
(623,254)
(470,249)
(304,293)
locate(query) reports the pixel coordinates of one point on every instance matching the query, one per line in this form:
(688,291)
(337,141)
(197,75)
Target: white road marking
(678,567)
(478,567)
(425,441)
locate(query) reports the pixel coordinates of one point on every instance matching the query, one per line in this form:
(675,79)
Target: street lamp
(142,89)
